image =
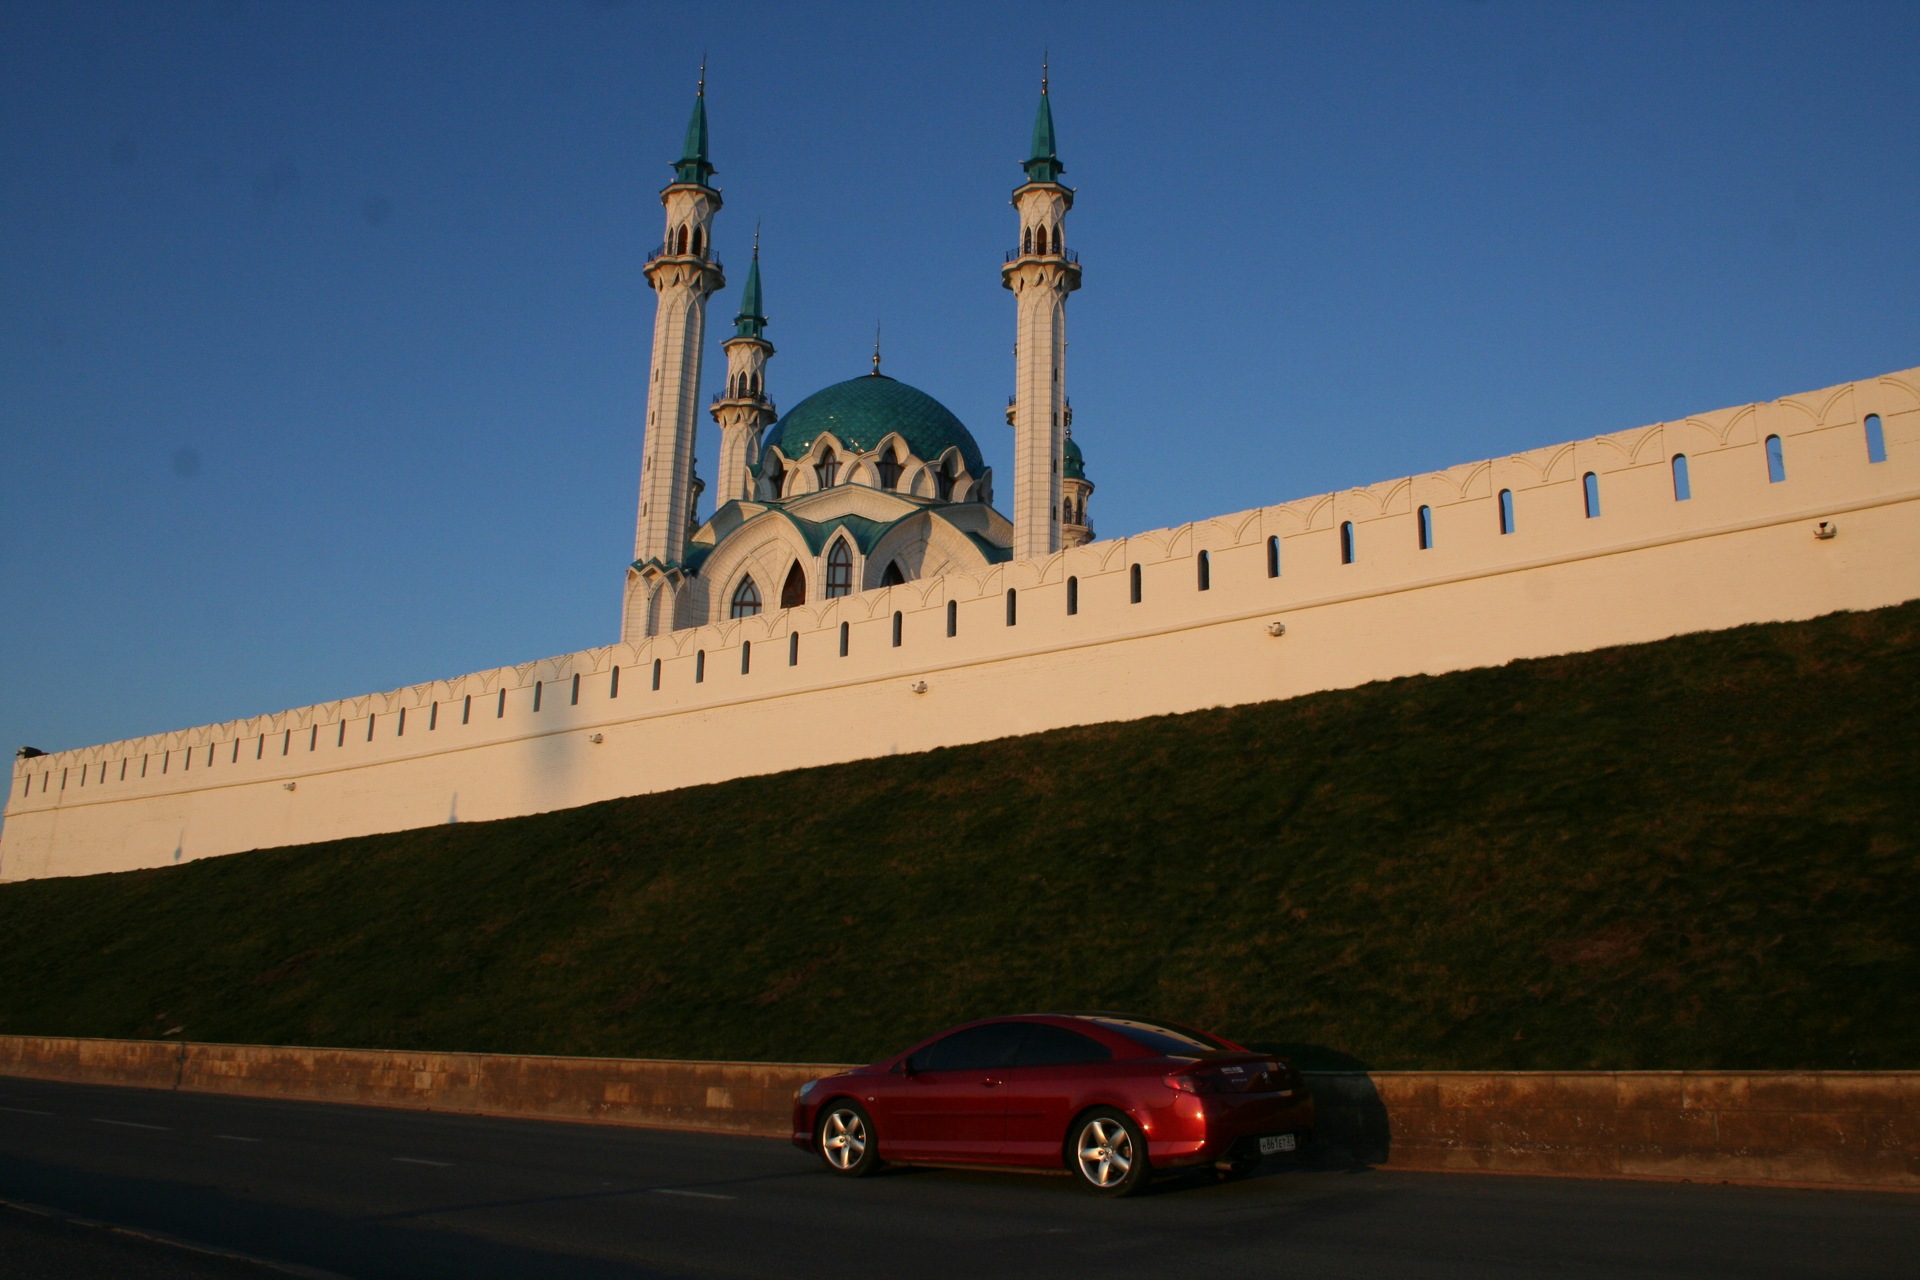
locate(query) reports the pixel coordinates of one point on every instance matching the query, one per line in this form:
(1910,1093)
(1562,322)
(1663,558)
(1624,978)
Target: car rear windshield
(1166,1041)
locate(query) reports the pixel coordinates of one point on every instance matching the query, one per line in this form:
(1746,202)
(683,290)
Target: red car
(1109,1097)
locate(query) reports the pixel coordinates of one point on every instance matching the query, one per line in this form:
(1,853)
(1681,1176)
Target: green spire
(1043,165)
(692,166)
(750,323)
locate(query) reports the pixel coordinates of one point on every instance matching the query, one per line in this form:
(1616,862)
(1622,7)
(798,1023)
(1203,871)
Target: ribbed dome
(860,411)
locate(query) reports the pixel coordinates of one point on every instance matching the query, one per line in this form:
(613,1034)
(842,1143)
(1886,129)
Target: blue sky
(323,335)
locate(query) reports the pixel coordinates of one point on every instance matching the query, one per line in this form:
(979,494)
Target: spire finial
(1043,161)
(693,165)
(876,349)
(752,320)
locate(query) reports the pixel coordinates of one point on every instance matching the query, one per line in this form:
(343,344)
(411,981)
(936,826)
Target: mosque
(857,592)
(867,483)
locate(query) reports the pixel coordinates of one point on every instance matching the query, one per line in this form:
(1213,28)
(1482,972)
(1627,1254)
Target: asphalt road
(364,1192)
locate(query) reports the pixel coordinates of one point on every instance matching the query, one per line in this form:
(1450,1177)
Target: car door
(949,1102)
(1052,1074)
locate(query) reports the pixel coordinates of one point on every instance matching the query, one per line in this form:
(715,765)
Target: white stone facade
(1112,630)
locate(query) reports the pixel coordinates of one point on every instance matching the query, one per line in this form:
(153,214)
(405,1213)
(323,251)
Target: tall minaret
(683,271)
(1041,274)
(743,409)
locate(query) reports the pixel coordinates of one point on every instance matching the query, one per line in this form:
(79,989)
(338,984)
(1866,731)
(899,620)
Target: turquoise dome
(1075,467)
(860,411)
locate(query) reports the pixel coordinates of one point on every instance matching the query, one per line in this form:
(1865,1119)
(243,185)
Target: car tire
(845,1140)
(1107,1153)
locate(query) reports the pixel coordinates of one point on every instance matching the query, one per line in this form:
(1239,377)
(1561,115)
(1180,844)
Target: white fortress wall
(1741,549)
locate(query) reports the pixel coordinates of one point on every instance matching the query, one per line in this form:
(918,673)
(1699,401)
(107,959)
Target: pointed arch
(746,599)
(839,569)
(892,577)
(793,593)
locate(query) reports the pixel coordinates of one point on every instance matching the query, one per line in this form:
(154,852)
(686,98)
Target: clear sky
(323,334)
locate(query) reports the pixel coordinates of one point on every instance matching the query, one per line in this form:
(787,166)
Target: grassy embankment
(1698,853)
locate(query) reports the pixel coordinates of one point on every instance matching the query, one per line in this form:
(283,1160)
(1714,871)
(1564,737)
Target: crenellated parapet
(1754,513)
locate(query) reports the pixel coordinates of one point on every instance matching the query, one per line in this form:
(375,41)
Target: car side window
(974,1049)
(1049,1046)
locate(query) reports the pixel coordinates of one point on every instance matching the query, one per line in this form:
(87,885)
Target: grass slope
(1697,853)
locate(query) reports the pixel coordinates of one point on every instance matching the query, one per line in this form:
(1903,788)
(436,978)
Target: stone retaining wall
(732,1097)
(1817,1128)
(1858,1129)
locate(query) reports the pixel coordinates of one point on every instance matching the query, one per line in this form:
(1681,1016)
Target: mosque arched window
(776,476)
(889,469)
(1682,486)
(1424,518)
(681,245)
(794,593)
(827,470)
(1026,240)
(1040,241)
(746,599)
(1073,595)
(839,570)
(1590,484)
(892,577)
(1204,572)
(696,242)
(953,618)
(1506,511)
(1346,542)
(1876,439)
(943,481)
(1273,557)
(1776,461)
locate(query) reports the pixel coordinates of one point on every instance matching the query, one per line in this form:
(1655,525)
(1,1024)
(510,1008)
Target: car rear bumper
(1225,1126)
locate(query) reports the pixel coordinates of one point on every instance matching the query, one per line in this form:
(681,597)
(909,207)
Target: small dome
(861,411)
(1075,466)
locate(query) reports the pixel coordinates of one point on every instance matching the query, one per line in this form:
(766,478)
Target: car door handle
(990,1084)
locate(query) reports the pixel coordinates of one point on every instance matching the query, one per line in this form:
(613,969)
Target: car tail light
(1186,1082)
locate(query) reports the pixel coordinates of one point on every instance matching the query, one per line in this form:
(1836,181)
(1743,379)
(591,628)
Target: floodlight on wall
(287,786)
(596,738)
(1276,629)
(918,686)
(1825,529)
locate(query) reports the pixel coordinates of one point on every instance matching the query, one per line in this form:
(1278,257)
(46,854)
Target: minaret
(743,409)
(683,271)
(1041,273)
(1075,489)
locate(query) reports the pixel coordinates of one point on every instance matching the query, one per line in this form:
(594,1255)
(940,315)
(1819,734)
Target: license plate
(1284,1142)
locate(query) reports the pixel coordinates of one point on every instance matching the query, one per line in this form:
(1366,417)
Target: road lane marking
(134,1124)
(697,1195)
(234,1137)
(173,1242)
(438,1164)
(26,1111)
